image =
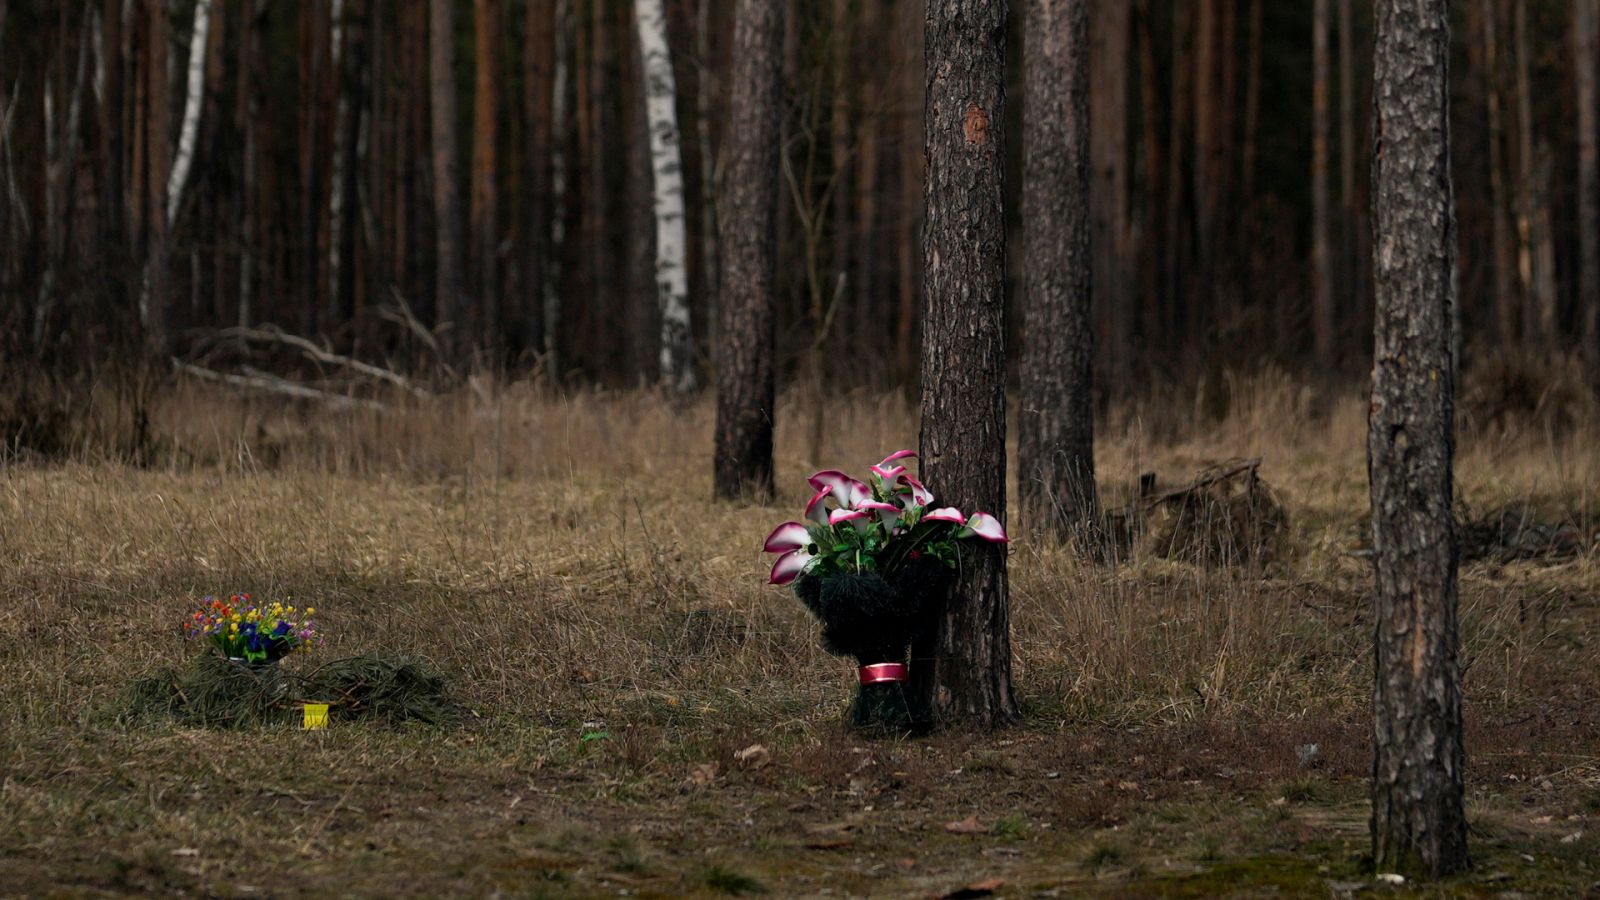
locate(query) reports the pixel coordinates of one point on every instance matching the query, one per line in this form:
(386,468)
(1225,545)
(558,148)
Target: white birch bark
(672,276)
(191,109)
(558,186)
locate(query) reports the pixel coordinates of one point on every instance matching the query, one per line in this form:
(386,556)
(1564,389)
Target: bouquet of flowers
(254,635)
(869,559)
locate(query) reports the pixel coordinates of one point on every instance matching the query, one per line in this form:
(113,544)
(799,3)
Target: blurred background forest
(161,184)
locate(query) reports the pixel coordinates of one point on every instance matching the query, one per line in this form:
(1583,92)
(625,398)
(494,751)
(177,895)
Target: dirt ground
(647,718)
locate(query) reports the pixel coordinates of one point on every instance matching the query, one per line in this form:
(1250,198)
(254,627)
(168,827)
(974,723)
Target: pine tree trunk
(1108,195)
(1538,282)
(1507,310)
(1322,314)
(449,303)
(672,274)
(344,194)
(1586,73)
(157,309)
(1055,427)
(962,669)
(710,222)
(745,377)
(538,70)
(484,209)
(639,304)
(1418,823)
(560,120)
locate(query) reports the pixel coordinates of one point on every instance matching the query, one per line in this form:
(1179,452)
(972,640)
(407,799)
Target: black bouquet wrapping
(874,619)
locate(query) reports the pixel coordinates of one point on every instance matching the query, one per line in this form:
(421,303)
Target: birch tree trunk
(962,668)
(1322,314)
(193,94)
(746,384)
(1055,443)
(449,303)
(1418,822)
(672,275)
(1586,73)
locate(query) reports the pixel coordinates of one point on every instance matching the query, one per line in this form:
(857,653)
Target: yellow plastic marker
(316,716)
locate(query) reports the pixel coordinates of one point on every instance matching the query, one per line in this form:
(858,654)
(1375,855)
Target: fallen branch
(272,385)
(1205,480)
(272,334)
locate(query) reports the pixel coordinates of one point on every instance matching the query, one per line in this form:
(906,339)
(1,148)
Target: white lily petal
(786,537)
(987,527)
(789,566)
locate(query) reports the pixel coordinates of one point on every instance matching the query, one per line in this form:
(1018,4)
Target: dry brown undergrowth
(561,560)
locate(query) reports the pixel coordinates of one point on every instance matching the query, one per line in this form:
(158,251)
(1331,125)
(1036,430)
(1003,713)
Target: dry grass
(561,561)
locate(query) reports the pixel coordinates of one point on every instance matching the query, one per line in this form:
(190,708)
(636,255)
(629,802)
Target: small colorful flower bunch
(240,629)
(876,526)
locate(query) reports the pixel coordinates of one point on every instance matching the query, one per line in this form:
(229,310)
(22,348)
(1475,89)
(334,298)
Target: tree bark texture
(1507,310)
(449,302)
(1323,321)
(157,309)
(560,116)
(1418,824)
(962,670)
(1055,443)
(672,272)
(484,207)
(1586,73)
(749,202)
(1107,89)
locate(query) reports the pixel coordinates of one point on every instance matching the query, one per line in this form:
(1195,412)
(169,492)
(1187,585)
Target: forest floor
(609,628)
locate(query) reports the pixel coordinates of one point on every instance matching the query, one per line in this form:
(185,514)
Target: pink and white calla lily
(786,537)
(985,526)
(888,473)
(789,566)
(920,496)
(898,454)
(945,514)
(888,513)
(846,490)
(859,518)
(816,510)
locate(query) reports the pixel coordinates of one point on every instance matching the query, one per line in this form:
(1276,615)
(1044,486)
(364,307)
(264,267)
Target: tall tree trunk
(1252,104)
(1322,314)
(538,70)
(710,221)
(485,212)
(349,59)
(962,669)
(112,146)
(908,58)
(639,298)
(1352,261)
(672,276)
(1205,139)
(449,301)
(1151,226)
(1418,823)
(1180,317)
(193,95)
(1055,427)
(745,376)
(1534,253)
(156,311)
(1586,73)
(1507,308)
(1108,195)
(560,107)
(314,25)
(248,112)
